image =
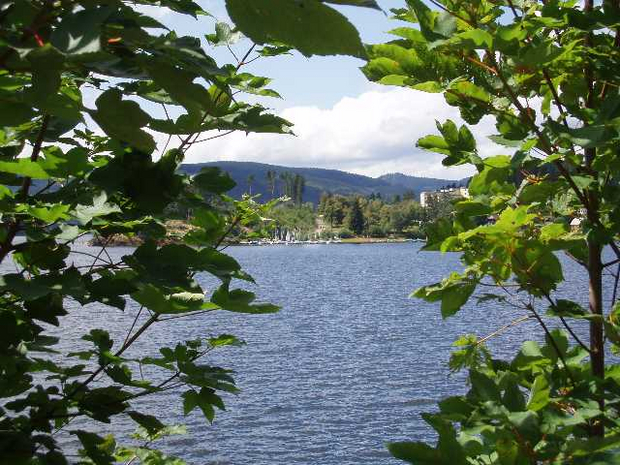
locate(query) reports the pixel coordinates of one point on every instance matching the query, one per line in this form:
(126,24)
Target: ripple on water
(347,365)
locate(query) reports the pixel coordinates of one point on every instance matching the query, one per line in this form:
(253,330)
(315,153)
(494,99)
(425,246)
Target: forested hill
(317,180)
(418,184)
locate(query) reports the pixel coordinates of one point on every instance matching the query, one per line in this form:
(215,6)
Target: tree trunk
(597,343)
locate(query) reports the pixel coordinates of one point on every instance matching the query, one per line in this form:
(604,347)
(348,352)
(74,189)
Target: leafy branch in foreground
(548,74)
(86,90)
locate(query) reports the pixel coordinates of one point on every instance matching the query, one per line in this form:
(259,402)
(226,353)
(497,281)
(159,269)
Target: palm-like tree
(250,182)
(271,181)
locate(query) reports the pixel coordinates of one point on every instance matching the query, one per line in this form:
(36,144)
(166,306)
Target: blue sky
(320,81)
(342,121)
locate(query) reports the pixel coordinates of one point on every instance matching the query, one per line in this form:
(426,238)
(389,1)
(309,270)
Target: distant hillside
(418,184)
(318,180)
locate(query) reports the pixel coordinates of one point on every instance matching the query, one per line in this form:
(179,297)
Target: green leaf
(453,293)
(206,399)
(527,424)
(240,301)
(513,398)
(109,288)
(474,39)
(435,26)
(511,127)
(63,165)
(213,180)
(484,387)
(492,179)
(507,451)
(80,32)
(98,449)
(432,87)
(434,144)
(587,136)
(473,101)
(553,231)
(45,254)
(437,232)
(224,35)
(180,87)
(508,37)
(468,89)
(160,301)
(540,394)
(100,338)
(450,449)
(415,452)
(225,340)
(289,22)
(46,309)
(14,113)
(103,403)
(150,423)
(583,182)
(122,119)
(24,167)
(100,207)
(457,408)
(568,309)
(46,64)
(362,3)
(512,219)
(47,214)
(541,53)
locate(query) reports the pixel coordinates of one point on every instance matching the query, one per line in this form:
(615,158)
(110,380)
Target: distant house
(321,225)
(575,224)
(443,194)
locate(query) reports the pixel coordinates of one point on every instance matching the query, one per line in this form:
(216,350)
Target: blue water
(347,365)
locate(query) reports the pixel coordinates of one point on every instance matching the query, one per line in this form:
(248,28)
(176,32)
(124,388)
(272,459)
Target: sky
(341,120)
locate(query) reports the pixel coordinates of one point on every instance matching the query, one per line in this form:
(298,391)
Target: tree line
(356,215)
(291,185)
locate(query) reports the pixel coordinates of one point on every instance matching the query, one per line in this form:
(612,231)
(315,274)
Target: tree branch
(504,328)
(13,229)
(553,343)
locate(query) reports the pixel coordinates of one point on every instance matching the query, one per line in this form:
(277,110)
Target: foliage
(290,218)
(293,185)
(438,206)
(548,73)
(345,233)
(375,217)
(354,219)
(84,87)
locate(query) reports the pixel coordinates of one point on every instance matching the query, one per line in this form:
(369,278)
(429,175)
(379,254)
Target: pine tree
(271,181)
(355,218)
(299,185)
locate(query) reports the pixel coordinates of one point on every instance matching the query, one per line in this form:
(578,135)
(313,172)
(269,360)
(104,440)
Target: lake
(347,365)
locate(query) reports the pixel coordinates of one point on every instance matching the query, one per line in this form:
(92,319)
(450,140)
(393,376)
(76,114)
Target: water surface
(347,365)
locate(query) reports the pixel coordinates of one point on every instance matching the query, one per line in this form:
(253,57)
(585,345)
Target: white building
(441,194)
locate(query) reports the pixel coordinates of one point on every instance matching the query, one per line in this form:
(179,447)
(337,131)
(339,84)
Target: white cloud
(156,12)
(372,134)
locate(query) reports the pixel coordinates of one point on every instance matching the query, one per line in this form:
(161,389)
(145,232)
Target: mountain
(418,184)
(318,180)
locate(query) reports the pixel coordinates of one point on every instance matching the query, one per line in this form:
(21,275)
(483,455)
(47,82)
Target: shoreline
(124,241)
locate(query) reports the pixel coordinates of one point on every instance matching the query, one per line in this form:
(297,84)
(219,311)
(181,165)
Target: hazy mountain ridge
(420,184)
(319,180)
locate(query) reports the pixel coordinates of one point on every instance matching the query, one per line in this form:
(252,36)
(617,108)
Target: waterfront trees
(378,218)
(354,219)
